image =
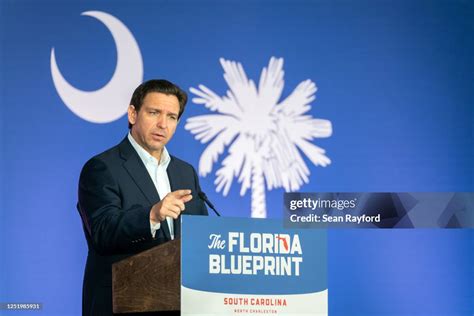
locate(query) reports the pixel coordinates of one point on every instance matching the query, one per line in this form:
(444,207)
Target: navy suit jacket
(116,194)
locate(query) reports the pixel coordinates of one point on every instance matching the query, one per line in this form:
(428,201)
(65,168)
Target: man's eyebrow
(152,107)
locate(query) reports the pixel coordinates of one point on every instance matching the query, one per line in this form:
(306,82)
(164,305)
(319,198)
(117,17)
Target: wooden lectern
(149,281)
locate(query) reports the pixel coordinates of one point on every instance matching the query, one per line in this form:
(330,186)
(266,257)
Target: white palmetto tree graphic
(264,137)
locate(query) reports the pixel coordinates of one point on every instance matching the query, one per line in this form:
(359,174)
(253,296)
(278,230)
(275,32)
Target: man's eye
(153,112)
(174,118)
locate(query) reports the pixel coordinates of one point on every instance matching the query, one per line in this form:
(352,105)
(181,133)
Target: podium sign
(241,266)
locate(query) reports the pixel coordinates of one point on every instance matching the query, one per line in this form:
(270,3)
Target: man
(131,196)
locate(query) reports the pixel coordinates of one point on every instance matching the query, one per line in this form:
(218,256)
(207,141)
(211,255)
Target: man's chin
(157,145)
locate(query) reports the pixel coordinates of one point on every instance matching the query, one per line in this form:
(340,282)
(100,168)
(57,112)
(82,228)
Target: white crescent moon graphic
(111,101)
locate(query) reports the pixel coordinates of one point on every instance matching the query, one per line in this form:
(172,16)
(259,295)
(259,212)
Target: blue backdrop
(395,78)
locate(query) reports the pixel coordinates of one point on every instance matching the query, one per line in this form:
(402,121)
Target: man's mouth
(158,136)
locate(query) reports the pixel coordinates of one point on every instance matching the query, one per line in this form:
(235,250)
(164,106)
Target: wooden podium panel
(149,281)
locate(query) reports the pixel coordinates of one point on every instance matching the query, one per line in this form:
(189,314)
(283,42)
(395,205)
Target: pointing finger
(187,198)
(180,193)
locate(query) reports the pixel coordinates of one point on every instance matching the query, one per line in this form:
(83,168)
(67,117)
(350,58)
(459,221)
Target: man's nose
(162,122)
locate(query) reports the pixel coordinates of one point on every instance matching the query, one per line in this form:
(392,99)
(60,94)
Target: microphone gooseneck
(203,197)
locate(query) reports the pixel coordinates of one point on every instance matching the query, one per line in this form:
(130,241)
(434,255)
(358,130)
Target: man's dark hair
(161,86)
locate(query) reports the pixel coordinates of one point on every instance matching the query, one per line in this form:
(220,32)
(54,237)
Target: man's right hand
(172,205)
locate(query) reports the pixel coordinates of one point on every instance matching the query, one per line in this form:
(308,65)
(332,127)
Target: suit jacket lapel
(175,184)
(137,171)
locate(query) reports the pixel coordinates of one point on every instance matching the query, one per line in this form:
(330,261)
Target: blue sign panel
(239,260)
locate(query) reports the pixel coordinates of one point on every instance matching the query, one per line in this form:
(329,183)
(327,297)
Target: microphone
(203,197)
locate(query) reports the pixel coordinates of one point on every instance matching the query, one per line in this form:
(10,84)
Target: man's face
(155,123)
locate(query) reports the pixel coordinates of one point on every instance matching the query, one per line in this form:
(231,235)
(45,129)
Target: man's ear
(132,114)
